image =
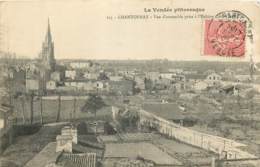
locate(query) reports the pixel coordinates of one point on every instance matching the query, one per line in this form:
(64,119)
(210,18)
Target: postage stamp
(226,34)
(224,38)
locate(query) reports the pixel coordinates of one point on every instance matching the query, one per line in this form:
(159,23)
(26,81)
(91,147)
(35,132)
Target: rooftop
(45,156)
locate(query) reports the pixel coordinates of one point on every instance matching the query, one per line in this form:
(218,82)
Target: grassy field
(50,110)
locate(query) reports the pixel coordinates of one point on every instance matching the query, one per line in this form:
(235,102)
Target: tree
(128,119)
(103,76)
(93,104)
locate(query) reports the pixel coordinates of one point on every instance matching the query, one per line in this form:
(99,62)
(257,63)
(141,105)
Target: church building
(47,63)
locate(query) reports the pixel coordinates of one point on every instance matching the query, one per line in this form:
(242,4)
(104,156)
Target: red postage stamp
(224,38)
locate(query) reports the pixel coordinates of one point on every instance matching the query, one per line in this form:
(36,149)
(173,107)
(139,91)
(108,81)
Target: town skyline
(95,37)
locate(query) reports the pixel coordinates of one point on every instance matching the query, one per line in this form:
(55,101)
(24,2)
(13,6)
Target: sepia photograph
(130,83)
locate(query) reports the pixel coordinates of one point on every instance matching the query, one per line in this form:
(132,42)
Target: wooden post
(74,108)
(41,110)
(31,106)
(59,105)
(23,108)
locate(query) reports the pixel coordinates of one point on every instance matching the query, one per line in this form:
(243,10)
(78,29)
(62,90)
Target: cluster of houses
(81,77)
(89,77)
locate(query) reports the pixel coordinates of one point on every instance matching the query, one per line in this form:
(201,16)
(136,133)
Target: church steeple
(48,38)
(47,53)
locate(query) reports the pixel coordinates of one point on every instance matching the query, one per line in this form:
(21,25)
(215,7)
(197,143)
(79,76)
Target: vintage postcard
(130,83)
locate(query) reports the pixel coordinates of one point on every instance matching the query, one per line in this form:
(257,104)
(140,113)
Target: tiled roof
(77,160)
(87,149)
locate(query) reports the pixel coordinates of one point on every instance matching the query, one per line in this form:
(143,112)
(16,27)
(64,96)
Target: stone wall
(222,146)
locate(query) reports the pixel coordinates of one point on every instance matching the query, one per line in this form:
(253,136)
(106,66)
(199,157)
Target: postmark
(226,34)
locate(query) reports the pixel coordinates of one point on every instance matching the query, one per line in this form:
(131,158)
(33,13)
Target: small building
(214,77)
(116,78)
(91,76)
(100,85)
(200,85)
(32,84)
(140,82)
(71,74)
(167,75)
(56,76)
(80,65)
(178,86)
(51,85)
(178,78)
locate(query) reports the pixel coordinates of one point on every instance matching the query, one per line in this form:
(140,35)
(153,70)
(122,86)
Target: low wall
(205,141)
(237,162)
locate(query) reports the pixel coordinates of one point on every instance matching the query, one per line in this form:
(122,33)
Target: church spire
(48,37)
(47,53)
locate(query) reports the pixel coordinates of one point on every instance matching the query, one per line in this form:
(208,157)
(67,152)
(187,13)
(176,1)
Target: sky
(80,29)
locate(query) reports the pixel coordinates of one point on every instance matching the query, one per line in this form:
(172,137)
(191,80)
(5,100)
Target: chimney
(70,131)
(64,143)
